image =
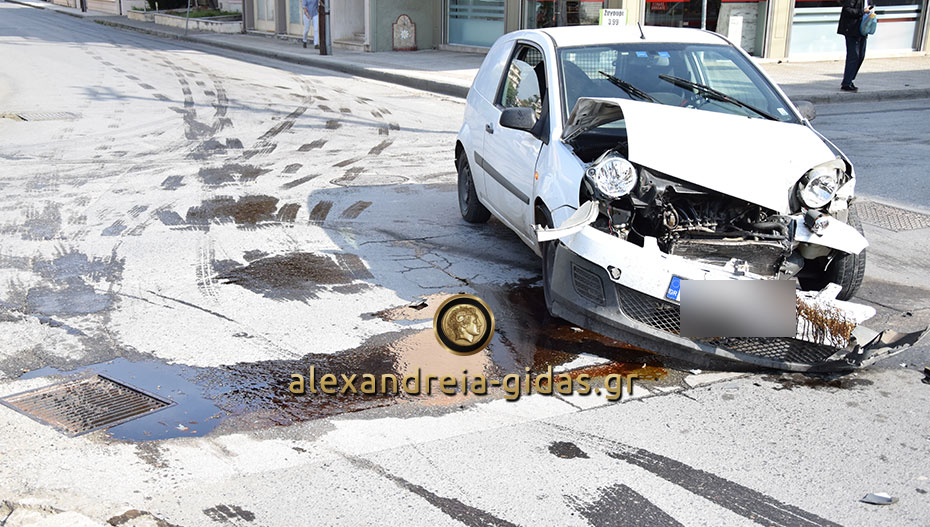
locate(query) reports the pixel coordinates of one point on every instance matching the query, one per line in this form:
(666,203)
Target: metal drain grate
(39,116)
(891,218)
(84,405)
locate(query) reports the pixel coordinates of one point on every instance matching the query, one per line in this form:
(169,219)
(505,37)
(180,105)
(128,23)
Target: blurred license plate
(737,308)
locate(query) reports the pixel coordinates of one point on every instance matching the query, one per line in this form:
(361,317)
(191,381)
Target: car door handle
(489,129)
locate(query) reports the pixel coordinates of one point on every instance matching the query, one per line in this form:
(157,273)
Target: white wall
(348,18)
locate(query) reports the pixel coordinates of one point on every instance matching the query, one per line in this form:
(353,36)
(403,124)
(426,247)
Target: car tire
(547,251)
(548,259)
(847,270)
(472,210)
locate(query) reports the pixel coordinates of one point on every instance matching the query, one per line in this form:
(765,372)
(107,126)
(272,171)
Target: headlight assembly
(818,186)
(613,176)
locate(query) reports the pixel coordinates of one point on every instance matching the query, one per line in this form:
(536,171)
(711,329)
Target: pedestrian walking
(311,9)
(849,27)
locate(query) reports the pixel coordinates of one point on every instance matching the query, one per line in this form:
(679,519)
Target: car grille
(666,316)
(588,285)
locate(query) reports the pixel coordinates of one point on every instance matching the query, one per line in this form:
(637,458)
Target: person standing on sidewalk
(850,20)
(311,9)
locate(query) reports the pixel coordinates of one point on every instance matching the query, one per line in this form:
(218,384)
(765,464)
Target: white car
(634,159)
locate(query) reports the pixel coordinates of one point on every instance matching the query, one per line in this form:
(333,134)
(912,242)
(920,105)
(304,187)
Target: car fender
(558,181)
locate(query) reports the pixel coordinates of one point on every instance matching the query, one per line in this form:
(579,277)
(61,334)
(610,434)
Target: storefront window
(552,13)
(813,28)
(475,22)
(264,10)
(741,22)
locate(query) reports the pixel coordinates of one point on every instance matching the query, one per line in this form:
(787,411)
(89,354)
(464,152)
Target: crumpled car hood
(756,160)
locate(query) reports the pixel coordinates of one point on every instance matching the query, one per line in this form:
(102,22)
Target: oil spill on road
(256,395)
(537,340)
(230,173)
(296,276)
(259,392)
(247,210)
(567,450)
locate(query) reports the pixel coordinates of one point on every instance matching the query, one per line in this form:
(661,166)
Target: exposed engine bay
(697,223)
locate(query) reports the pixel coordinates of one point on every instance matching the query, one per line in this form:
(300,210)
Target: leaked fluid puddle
(193,415)
(257,395)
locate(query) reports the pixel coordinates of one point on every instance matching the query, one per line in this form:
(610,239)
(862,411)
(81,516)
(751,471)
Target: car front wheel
(472,209)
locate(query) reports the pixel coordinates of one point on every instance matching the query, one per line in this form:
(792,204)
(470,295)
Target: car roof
(594,35)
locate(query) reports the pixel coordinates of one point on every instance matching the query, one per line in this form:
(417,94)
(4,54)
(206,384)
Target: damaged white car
(636,159)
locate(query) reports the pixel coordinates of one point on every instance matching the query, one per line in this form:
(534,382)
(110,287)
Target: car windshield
(653,69)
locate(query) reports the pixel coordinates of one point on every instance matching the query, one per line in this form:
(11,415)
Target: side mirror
(519,118)
(807,109)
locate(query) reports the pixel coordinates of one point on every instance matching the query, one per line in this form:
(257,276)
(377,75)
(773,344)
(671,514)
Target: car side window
(525,83)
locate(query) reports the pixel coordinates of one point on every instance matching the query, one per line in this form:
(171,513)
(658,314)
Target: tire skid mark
(204,272)
(354,210)
(288,213)
(265,144)
(619,505)
(349,176)
(320,210)
(298,181)
(377,149)
(310,146)
(354,265)
(730,495)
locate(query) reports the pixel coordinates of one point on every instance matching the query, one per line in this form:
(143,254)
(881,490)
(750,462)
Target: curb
(868,96)
(441,87)
(434,86)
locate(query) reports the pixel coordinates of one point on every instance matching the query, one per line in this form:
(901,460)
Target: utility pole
(326,38)
(187,21)
(703,14)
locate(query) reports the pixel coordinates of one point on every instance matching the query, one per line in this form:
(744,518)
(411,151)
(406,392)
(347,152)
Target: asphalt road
(202,224)
(888,144)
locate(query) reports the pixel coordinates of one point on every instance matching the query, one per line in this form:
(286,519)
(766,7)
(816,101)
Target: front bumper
(583,293)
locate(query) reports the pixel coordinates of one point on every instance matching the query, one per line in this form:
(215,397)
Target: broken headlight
(818,186)
(613,176)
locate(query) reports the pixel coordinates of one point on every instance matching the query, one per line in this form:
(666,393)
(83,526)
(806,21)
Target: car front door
(508,156)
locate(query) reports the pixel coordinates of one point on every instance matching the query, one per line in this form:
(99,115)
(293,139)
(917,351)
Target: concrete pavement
(155,237)
(450,73)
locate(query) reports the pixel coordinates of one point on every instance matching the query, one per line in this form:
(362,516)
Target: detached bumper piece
(584,294)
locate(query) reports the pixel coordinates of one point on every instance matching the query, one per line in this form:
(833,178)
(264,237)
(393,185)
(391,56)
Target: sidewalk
(450,73)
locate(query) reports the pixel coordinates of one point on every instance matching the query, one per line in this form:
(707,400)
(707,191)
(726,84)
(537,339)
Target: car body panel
(755,170)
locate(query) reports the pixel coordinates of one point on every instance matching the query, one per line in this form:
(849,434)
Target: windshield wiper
(711,93)
(629,88)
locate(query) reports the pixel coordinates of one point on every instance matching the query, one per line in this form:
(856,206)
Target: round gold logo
(464,324)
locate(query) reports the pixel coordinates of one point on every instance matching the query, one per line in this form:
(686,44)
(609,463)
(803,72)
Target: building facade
(764,28)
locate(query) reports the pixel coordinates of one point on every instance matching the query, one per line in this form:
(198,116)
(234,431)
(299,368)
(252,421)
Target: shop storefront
(553,13)
(475,22)
(813,27)
(742,22)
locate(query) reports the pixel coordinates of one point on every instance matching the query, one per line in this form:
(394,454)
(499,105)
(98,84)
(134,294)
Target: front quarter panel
(560,173)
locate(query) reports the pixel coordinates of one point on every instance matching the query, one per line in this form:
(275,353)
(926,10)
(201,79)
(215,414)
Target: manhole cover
(891,218)
(80,406)
(39,116)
